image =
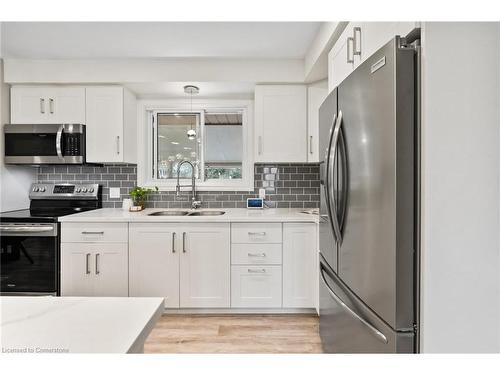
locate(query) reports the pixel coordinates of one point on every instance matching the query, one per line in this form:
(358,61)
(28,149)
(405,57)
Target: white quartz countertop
(77,324)
(231,215)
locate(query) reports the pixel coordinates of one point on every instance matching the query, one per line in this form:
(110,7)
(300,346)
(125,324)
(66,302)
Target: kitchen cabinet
(256,286)
(280,123)
(359,41)
(47,105)
(154,262)
(188,265)
(299,265)
(316,94)
(205,265)
(111,119)
(94,269)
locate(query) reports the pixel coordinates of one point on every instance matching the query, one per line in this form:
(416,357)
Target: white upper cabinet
(316,94)
(281,123)
(47,105)
(358,42)
(111,125)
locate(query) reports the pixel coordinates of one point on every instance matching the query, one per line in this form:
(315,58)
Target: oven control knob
(91,190)
(84,190)
(42,189)
(78,190)
(35,189)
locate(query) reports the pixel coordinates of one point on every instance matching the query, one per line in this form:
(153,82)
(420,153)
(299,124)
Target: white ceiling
(94,40)
(222,90)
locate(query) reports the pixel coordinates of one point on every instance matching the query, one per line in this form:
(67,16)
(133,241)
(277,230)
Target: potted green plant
(138,195)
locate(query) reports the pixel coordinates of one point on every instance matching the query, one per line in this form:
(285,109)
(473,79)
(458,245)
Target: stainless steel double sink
(187,213)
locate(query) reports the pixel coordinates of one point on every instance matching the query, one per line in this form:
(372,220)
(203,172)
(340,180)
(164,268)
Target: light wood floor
(235,334)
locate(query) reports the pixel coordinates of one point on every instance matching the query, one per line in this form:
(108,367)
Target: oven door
(44,144)
(29,258)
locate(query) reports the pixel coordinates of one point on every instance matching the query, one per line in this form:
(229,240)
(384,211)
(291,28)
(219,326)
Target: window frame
(146,155)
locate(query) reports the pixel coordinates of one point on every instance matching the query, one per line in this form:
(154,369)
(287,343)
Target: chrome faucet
(194,202)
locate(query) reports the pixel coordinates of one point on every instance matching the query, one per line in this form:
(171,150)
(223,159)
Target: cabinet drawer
(256,286)
(249,253)
(94,232)
(256,233)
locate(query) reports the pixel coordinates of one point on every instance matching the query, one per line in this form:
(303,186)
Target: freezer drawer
(347,326)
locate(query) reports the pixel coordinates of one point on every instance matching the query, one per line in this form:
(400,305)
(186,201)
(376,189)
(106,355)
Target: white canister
(126,204)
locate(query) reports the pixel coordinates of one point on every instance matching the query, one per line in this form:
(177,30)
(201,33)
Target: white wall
(14,180)
(461,176)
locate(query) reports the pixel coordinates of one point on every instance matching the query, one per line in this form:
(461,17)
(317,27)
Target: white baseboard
(239,311)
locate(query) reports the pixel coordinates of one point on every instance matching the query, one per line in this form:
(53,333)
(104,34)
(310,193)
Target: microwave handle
(59,141)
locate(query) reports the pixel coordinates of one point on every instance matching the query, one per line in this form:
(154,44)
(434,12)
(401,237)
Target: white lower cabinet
(187,264)
(256,286)
(299,265)
(154,262)
(94,269)
(205,266)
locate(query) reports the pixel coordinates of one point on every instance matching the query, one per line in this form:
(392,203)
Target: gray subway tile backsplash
(287,185)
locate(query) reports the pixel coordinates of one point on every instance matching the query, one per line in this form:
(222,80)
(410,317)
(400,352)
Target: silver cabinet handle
(184,242)
(97,256)
(350,43)
(311,144)
(357,41)
(42,105)
(87,269)
(59,141)
(118,145)
(259,255)
(250,270)
(256,233)
(51,105)
(90,232)
(173,242)
(260,145)
(372,329)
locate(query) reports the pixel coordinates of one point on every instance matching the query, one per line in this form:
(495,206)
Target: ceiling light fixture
(191,90)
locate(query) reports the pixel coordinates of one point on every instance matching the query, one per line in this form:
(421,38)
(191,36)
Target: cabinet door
(315,95)
(76,269)
(338,67)
(104,119)
(29,105)
(281,123)
(154,261)
(66,105)
(205,266)
(110,269)
(299,268)
(255,286)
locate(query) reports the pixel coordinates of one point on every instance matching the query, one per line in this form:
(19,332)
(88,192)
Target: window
(215,140)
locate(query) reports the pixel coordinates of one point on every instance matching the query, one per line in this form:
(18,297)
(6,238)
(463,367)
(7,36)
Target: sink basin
(169,213)
(206,213)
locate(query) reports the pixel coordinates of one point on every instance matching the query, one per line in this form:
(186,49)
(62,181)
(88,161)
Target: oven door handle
(59,142)
(28,229)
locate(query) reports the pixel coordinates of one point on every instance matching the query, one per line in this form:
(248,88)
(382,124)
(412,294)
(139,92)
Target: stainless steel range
(30,238)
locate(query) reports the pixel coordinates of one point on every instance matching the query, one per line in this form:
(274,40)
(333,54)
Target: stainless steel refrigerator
(369,206)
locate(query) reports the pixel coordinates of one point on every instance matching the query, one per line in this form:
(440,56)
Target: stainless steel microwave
(36,144)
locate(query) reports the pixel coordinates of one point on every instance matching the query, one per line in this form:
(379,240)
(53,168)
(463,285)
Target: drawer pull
(260,255)
(100,232)
(87,270)
(256,233)
(256,271)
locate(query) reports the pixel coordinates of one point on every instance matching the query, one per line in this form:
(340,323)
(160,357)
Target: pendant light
(191,90)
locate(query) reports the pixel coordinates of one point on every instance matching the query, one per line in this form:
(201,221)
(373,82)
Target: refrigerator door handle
(332,216)
(345,177)
(379,335)
(333,149)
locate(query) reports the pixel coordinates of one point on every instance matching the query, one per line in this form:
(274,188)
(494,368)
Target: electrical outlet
(114,192)
(262,193)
